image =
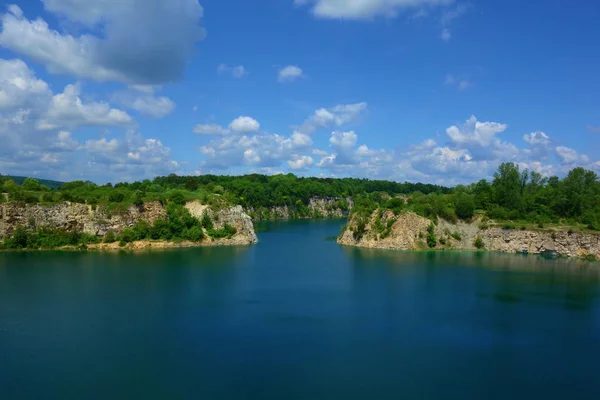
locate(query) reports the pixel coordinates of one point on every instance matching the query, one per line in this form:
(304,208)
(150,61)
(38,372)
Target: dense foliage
(521,196)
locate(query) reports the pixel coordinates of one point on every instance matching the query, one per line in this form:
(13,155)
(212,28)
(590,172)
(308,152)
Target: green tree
(508,185)
(465,206)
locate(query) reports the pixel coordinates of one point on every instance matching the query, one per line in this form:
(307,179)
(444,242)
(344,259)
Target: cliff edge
(409,231)
(227,226)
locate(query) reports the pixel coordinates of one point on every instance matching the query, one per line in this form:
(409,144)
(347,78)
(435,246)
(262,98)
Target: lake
(297,317)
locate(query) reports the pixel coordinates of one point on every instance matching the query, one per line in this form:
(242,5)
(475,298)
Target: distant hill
(45,182)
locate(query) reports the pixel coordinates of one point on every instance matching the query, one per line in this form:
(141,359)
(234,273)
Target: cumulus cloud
(154,49)
(235,71)
(244,125)
(67,110)
(241,125)
(300,162)
(18,85)
(289,74)
(336,116)
(36,133)
(365,9)
(146,104)
(570,156)
(260,150)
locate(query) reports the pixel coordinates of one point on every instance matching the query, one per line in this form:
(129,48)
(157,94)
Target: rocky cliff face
(318,207)
(408,231)
(98,221)
(234,216)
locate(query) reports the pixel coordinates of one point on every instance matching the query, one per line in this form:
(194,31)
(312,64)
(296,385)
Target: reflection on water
(571,283)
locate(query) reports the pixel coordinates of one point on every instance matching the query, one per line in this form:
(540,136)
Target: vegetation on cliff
(519,198)
(178,225)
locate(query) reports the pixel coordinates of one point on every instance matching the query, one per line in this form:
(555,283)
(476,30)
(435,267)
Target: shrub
(508,226)
(359,230)
(193,234)
(478,243)
(465,206)
(177,198)
(110,237)
(226,232)
(127,235)
(431,238)
(116,197)
(20,237)
(206,221)
(457,236)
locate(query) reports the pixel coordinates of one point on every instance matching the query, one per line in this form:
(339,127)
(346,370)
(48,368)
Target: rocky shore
(99,221)
(409,231)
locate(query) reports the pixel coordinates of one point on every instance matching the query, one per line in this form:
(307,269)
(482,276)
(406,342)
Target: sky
(436,91)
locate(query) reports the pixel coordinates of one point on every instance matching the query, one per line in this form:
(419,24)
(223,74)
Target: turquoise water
(297,316)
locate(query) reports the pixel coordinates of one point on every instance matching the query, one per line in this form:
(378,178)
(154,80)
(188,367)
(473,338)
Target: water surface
(297,316)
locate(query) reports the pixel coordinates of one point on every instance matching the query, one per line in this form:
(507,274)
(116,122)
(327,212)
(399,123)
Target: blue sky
(436,91)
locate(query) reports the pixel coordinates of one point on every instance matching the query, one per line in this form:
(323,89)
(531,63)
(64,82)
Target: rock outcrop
(409,231)
(99,221)
(318,207)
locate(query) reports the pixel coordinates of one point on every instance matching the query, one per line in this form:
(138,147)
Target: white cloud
(235,71)
(244,125)
(210,129)
(144,52)
(149,89)
(18,85)
(146,104)
(475,132)
(300,162)
(156,107)
(54,151)
(336,116)
(537,138)
(67,110)
(570,156)
(289,73)
(241,125)
(365,9)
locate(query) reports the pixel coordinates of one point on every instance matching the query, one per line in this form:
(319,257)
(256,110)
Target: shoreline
(141,245)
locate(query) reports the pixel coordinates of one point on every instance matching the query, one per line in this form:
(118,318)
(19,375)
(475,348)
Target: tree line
(512,195)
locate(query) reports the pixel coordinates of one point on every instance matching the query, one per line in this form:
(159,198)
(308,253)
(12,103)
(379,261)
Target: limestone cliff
(318,207)
(99,221)
(408,231)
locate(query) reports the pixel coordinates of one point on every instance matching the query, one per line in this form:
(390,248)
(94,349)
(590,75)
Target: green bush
(465,206)
(431,237)
(206,221)
(226,232)
(110,237)
(478,243)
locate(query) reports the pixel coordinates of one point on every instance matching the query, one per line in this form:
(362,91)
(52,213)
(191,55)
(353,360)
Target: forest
(513,196)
